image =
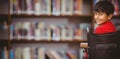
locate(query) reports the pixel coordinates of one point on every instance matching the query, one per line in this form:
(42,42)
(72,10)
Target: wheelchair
(104,46)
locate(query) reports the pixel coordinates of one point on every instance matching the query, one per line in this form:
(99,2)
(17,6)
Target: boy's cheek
(98,22)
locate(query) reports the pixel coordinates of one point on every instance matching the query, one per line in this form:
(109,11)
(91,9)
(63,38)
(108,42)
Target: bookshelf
(17,13)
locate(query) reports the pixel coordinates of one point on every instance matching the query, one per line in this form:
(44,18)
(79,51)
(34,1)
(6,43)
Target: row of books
(3,29)
(49,7)
(4,54)
(41,53)
(43,31)
(116,4)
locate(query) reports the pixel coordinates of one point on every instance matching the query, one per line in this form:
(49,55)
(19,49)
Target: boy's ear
(110,16)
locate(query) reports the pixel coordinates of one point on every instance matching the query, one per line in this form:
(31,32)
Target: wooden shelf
(118,16)
(3,42)
(25,15)
(46,41)
(50,16)
(4,15)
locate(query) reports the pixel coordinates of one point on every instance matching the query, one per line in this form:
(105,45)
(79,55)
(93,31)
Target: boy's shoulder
(105,28)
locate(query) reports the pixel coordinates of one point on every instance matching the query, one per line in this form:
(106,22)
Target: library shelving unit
(44,29)
(54,17)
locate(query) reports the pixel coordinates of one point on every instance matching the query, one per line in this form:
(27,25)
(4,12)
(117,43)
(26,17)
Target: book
(15,8)
(12,6)
(12,34)
(26,27)
(54,54)
(83,27)
(45,31)
(6,55)
(49,55)
(33,53)
(26,53)
(66,33)
(56,6)
(37,7)
(41,53)
(11,54)
(86,8)
(77,7)
(3,29)
(2,54)
(45,7)
(55,33)
(18,28)
(71,54)
(37,34)
(29,7)
(63,55)
(44,34)
(31,31)
(78,34)
(18,53)
(115,3)
(23,6)
(66,7)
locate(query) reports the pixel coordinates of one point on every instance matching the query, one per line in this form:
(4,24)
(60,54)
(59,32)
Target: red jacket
(105,28)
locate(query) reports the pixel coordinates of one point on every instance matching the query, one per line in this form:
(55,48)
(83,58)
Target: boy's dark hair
(104,6)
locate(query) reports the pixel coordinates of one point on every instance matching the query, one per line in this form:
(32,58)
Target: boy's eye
(101,14)
(96,13)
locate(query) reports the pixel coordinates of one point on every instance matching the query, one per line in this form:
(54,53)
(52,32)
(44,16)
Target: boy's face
(101,17)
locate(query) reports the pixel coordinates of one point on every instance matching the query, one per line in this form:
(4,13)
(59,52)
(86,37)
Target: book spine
(67,7)
(11,54)
(78,7)
(56,7)
(37,7)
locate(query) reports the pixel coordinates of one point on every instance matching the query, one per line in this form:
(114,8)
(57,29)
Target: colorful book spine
(56,7)
(66,7)
(66,33)
(77,7)
(29,4)
(11,54)
(45,7)
(37,7)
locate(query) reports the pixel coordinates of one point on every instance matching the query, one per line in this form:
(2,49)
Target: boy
(103,12)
